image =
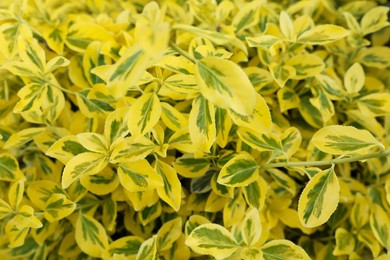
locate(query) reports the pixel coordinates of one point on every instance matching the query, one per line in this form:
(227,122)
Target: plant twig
(182,52)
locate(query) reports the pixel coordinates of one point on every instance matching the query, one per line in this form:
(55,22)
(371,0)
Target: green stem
(182,52)
(329,162)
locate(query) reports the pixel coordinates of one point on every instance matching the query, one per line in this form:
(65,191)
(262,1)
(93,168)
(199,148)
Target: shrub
(170,130)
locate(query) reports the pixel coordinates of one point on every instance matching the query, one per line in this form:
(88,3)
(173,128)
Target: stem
(329,162)
(182,52)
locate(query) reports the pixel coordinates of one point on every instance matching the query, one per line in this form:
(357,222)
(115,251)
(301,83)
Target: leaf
(247,16)
(345,242)
(55,37)
(223,125)
(115,126)
(15,232)
(286,25)
(375,104)
(127,246)
(339,139)
(131,149)
(225,84)
(283,249)
(5,209)
(259,121)
(202,184)
(202,124)
(94,142)
(376,57)
(144,113)
(172,118)
(58,207)
(261,142)
(291,140)
(213,36)
(285,181)
(281,73)
(234,210)
(81,165)
(110,209)
(191,167)
(251,228)
(31,96)
(92,107)
(354,78)
(15,194)
(306,65)
(9,168)
(239,171)
(359,214)
(23,136)
(30,51)
(40,191)
(264,41)
(138,176)
(323,34)
(212,239)
(319,199)
(148,249)
(101,183)
(90,236)
(168,234)
(171,191)
(310,113)
(148,214)
(255,193)
(374,20)
(65,149)
(380,225)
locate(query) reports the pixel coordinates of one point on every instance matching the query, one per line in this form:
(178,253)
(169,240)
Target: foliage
(174,129)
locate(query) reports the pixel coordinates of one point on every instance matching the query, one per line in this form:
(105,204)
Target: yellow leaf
(58,207)
(144,113)
(83,164)
(212,239)
(380,225)
(306,65)
(138,176)
(319,199)
(93,142)
(90,236)
(375,19)
(9,168)
(225,84)
(169,233)
(323,34)
(202,124)
(251,228)
(283,249)
(171,191)
(345,242)
(15,194)
(127,246)
(132,149)
(281,73)
(239,171)
(286,25)
(354,78)
(339,139)
(259,121)
(101,183)
(65,149)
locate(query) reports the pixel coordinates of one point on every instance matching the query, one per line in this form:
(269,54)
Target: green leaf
(65,149)
(255,193)
(261,142)
(239,171)
(90,236)
(319,199)
(212,239)
(92,107)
